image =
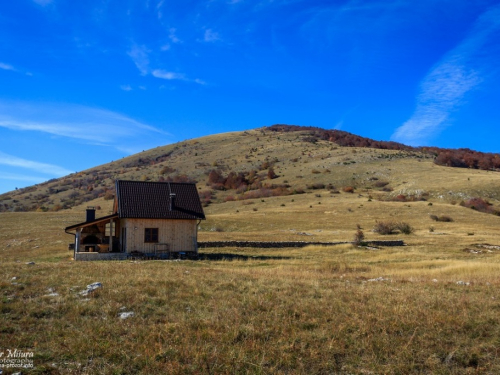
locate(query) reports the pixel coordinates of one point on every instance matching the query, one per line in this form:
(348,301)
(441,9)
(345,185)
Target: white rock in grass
(378,279)
(462,282)
(126,314)
(30,263)
(91,288)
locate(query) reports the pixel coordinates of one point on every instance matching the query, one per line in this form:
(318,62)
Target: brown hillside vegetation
(279,160)
(428,307)
(459,158)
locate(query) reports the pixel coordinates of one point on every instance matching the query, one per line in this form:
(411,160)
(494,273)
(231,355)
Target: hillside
(278,160)
(427,307)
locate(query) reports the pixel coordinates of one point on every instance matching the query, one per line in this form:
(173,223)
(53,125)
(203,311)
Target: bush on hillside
(389,227)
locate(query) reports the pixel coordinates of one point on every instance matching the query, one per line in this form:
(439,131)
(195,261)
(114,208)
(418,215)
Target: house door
(123,239)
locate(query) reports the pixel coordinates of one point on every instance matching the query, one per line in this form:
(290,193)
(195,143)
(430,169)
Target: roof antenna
(172,197)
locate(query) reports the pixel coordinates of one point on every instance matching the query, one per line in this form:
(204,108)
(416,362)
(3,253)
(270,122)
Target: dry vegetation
(429,307)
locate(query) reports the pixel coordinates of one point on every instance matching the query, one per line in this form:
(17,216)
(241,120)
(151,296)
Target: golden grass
(429,307)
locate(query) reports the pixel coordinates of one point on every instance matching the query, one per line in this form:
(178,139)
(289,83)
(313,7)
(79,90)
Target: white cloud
(162,74)
(90,125)
(172,35)
(158,9)
(49,169)
(19,177)
(126,87)
(443,90)
(140,57)
(211,36)
(6,66)
(158,73)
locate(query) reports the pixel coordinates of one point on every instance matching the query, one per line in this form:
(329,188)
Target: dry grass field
(430,307)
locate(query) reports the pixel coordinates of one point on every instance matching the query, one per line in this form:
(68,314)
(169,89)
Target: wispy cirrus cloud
(4,66)
(445,87)
(48,169)
(20,177)
(159,73)
(86,124)
(140,57)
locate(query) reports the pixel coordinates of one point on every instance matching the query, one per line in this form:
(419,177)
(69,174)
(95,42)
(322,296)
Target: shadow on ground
(229,256)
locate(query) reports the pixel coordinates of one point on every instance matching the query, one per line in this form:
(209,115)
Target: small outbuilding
(150,219)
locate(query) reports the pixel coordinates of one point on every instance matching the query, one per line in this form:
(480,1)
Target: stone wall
(280,244)
(100,256)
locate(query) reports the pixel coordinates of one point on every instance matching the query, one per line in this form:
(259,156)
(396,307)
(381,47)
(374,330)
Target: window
(107,229)
(151,235)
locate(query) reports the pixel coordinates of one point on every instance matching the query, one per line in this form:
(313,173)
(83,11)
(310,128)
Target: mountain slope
(278,160)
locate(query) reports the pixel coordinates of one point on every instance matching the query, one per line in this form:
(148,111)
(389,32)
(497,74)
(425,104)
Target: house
(154,219)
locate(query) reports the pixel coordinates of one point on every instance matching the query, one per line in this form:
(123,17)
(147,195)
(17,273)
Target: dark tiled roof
(151,200)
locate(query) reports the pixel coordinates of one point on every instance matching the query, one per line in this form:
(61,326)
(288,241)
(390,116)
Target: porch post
(77,240)
(111,236)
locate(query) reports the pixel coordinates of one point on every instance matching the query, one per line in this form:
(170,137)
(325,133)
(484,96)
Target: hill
(277,160)
(427,307)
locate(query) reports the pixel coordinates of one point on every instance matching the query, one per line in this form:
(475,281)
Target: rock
(462,282)
(126,314)
(91,288)
(52,293)
(14,278)
(434,280)
(378,279)
(30,263)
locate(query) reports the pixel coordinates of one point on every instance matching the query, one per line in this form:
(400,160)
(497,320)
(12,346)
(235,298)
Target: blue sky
(83,83)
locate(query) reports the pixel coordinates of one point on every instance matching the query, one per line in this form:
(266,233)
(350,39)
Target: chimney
(172,201)
(90,213)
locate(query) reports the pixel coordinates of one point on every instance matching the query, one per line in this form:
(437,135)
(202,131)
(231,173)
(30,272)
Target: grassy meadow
(429,307)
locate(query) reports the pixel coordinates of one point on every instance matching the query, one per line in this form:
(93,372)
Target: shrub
(384,227)
(348,189)
(271,174)
(389,227)
(205,197)
(215,177)
(359,238)
(380,184)
(443,218)
(316,186)
(405,228)
(480,205)
(400,198)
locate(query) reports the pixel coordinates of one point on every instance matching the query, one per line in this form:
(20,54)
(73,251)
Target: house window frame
(150,235)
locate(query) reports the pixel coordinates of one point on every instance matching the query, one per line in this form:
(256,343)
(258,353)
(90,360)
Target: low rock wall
(100,256)
(280,244)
